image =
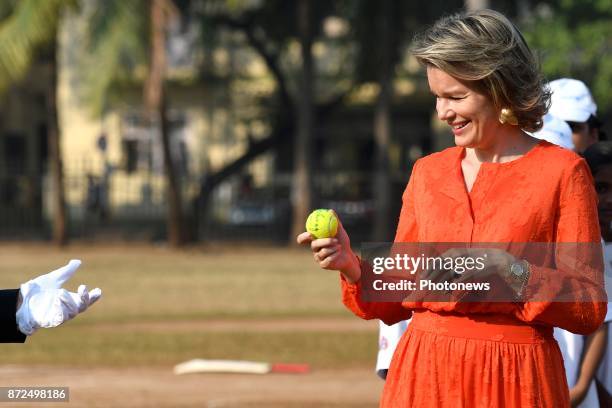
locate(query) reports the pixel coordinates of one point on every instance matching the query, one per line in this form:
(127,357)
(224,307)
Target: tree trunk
(59,230)
(302,191)
(382,129)
(155,102)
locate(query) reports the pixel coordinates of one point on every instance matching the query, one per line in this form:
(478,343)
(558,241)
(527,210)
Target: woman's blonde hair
(485,48)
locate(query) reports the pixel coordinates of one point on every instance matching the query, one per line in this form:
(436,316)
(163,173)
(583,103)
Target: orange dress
(488,354)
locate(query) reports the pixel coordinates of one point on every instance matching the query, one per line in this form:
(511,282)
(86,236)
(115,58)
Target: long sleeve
(577,223)
(8,324)
(388,312)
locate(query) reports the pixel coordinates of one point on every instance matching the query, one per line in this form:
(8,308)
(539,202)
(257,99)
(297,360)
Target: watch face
(516,269)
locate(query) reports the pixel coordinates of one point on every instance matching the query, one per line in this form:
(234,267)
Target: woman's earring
(507,116)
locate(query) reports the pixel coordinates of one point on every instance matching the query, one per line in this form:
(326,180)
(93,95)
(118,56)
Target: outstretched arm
(9,332)
(45,304)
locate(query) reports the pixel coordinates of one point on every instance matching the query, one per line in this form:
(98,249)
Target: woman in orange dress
(498,184)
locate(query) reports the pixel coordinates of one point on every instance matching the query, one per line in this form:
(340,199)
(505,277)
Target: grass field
(157,305)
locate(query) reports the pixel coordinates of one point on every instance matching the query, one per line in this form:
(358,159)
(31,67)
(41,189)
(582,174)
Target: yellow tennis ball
(322,223)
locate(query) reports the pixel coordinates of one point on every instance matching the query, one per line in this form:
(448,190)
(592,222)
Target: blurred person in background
(555,131)
(582,355)
(571,101)
(494,186)
(388,338)
(42,303)
(599,158)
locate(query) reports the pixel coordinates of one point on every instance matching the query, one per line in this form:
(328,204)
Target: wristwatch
(519,272)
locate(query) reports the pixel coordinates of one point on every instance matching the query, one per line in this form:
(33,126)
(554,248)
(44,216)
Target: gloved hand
(46,304)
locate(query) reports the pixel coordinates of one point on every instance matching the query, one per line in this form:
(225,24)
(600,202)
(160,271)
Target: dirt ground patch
(159,387)
(161,307)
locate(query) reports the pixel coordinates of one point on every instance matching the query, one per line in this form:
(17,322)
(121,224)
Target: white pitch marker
(237,367)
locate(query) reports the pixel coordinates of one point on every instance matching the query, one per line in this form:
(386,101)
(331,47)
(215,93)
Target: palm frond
(115,41)
(6,8)
(31,24)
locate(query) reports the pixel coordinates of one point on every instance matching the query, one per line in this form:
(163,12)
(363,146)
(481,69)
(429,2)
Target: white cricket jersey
(572,345)
(388,337)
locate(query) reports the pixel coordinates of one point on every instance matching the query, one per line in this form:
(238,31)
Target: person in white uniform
(572,101)
(388,337)
(599,158)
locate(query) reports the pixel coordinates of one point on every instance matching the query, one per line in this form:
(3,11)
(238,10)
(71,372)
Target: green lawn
(153,284)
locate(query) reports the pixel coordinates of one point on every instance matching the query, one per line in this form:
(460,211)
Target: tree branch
(247,26)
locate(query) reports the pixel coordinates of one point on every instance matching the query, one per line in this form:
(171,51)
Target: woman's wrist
(352,272)
(519,272)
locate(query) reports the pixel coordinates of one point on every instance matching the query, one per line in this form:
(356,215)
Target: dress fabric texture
(489,354)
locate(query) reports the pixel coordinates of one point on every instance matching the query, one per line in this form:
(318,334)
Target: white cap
(555,131)
(571,100)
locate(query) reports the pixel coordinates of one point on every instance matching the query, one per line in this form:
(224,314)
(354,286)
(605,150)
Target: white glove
(46,304)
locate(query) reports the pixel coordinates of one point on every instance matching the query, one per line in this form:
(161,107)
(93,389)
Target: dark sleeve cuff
(9,332)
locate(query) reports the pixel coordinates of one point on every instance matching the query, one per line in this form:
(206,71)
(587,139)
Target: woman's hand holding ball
(330,244)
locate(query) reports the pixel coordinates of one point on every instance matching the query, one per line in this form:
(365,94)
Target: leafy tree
(28,28)
(122,35)
(574,39)
(155,102)
(303,150)
(269,29)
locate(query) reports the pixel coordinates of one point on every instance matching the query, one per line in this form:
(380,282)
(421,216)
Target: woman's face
(471,114)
